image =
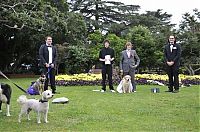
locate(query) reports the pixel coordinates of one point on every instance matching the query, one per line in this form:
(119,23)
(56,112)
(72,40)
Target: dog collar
(42,101)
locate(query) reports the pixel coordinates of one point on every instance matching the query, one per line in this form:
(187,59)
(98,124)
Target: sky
(175,7)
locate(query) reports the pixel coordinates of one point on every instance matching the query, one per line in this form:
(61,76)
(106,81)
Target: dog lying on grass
(39,106)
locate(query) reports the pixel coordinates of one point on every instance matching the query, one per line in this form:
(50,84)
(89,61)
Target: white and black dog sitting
(5,96)
(39,106)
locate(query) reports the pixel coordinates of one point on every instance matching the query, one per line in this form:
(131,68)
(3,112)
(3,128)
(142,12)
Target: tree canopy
(79,27)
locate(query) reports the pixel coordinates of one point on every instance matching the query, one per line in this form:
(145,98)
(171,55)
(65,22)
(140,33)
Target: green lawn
(95,111)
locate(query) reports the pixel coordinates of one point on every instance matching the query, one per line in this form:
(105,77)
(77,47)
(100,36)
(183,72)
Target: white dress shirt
(50,55)
(128,53)
(171,47)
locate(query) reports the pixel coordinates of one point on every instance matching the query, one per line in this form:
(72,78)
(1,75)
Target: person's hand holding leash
(52,65)
(47,65)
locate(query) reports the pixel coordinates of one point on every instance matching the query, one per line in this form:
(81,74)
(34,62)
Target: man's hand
(52,65)
(170,63)
(47,65)
(135,66)
(112,59)
(102,59)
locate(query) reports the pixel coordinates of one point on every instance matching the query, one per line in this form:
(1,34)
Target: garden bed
(141,79)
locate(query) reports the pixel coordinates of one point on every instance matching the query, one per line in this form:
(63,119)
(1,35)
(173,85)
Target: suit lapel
(125,54)
(131,53)
(168,48)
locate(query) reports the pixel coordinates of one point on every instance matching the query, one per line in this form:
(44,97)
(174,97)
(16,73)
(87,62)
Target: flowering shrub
(95,79)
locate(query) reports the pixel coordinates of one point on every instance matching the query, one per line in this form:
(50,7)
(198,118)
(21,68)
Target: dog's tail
(22,99)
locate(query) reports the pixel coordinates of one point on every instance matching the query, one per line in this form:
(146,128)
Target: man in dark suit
(172,55)
(129,62)
(48,57)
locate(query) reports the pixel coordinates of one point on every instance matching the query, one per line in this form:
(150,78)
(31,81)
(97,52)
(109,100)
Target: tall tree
(25,23)
(101,14)
(144,44)
(189,35)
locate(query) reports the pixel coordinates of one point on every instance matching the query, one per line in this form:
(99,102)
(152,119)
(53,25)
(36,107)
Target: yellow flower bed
(152,76)
(92,77)
(82,76)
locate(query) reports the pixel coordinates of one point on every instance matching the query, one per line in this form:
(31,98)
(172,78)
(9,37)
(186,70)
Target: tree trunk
(57,67)
(190,69)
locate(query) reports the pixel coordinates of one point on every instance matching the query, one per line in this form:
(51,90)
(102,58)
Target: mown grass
(94,111)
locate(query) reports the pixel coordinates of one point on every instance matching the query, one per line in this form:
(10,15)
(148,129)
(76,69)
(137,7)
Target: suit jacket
(44,55)
(126,63)
(174,56)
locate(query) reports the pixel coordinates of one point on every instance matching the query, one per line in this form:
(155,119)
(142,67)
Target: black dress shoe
(169,91)
(175,91)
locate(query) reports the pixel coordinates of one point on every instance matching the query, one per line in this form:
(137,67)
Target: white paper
(107,57)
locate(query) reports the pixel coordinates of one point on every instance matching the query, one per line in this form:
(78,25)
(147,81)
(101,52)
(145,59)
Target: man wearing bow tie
(172,55)
(48,58)
(129,61)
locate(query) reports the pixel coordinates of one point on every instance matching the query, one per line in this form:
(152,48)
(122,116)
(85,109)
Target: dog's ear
(42,75)
(43,95)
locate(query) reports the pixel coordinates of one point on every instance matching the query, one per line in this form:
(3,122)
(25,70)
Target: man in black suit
(172,55)
(48,57)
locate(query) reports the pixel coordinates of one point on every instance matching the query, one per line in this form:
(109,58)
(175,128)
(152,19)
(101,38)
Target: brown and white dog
(39,84)
(126,84)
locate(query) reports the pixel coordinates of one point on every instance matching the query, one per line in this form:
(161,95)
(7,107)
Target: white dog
(126,84)
(39,106)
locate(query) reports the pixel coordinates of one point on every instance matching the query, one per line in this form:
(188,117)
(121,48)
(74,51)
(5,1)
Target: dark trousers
(50,75)
(132,74)
(107,70)
(172,72)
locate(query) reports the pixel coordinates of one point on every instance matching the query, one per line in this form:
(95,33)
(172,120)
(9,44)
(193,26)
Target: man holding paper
(106,56)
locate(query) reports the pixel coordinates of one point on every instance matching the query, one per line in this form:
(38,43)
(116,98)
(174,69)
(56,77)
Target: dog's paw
(0,110)
(46,121)
(39,122)
(19,121)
